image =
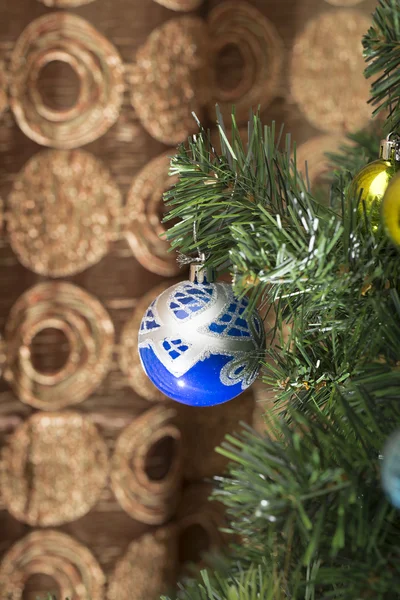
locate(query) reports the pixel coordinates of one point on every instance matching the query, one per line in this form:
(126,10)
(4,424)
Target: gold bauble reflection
(368,188)
(391,209)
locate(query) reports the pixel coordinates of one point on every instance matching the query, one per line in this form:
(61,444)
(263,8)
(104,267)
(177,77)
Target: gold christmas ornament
(391,209)
(369,185)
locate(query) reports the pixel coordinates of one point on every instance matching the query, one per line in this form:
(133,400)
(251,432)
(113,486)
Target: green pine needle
(306,504)
(382,53)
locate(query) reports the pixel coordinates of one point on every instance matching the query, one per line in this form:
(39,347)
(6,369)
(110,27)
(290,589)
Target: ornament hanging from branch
(197,343)
(369,185)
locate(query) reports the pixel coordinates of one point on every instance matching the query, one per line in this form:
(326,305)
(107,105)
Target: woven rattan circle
(65,37)
(147,569)
(326,73)
(88,329)
(196,512)
(129,356)
(72,566)
(170,79)
(144,499)
(261,49)
(64,211)
(143,217)
(53,447)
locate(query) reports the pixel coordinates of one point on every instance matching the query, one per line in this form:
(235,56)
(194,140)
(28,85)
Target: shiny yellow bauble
(369,186)
(391,209)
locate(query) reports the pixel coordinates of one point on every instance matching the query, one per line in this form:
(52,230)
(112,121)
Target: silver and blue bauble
(197,345)
(390,470)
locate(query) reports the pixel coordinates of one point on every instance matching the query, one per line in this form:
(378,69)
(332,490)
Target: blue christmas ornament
(391,469)
(197,346)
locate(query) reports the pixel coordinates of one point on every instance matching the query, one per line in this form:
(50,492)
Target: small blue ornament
(391,469)
(197,346)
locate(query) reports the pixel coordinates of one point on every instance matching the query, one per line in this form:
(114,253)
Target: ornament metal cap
(390,147)
(199,273)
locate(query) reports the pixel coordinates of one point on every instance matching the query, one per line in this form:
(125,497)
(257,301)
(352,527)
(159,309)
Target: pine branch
(307,503)
(255,582)
(382,53)
(326,272)
(308,506)
(244,190)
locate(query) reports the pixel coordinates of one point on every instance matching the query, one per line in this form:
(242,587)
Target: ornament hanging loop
(199,273)
(390,147)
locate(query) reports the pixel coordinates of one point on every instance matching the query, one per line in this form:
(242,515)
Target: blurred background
(103,481)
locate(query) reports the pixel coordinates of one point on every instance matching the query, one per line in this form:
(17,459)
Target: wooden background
(307,74)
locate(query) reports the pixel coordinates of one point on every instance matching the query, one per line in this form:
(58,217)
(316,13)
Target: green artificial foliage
(306,499)
(382,53)
(327,272)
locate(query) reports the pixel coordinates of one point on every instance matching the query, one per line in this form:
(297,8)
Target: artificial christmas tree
(306,500)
